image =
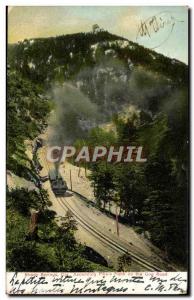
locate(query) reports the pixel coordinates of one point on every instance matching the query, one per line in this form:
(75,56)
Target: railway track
(103,237)
(107,240)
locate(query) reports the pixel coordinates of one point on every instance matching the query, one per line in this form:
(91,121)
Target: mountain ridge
(75,49)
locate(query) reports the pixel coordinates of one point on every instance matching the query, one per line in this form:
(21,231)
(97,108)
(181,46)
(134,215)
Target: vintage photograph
(97,150)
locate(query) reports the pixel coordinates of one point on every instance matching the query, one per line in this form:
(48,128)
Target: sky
(44,21)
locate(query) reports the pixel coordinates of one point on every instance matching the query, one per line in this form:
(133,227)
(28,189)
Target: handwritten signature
(152,26)
(59,283)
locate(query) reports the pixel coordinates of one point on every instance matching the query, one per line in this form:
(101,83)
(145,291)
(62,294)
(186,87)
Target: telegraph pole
(117,220)
(116,212)
(70,179)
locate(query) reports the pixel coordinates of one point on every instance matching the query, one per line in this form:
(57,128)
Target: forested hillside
(62,57)
(90,80)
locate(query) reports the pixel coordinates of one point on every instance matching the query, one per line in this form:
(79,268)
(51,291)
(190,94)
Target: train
(58,184)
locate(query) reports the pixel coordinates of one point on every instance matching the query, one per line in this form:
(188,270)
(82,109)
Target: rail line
(107,240)
(101,236)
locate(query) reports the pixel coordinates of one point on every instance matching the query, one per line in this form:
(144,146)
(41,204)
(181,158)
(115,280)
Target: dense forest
(108,74)
(50,246)
(152,196)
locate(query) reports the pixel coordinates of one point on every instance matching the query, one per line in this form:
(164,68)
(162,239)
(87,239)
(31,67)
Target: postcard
(97,150)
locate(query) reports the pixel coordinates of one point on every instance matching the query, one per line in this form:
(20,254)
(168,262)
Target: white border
(3,3)
(97,2)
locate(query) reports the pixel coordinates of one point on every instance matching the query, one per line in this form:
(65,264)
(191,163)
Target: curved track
(107,240)
(104,238)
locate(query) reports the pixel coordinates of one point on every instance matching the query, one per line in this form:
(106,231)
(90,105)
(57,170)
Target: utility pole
(70,179)
(117,220)
(79,171)
(117,201)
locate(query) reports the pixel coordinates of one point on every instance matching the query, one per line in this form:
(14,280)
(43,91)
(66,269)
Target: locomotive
(58,184)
